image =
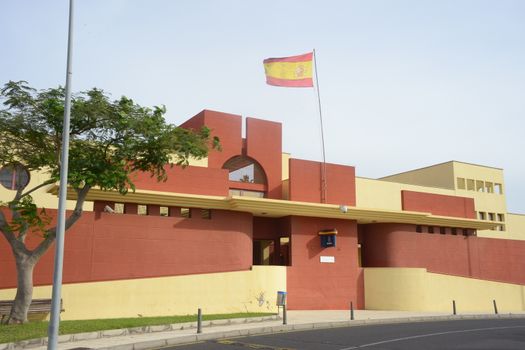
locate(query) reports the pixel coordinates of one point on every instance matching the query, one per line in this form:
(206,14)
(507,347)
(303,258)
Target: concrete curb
(178,340)
(67,338)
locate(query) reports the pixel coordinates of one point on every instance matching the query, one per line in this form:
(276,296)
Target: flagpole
(323,167)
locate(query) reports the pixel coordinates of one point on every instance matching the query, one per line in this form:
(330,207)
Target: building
(228,232)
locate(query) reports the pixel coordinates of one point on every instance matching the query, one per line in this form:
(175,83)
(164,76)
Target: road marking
(427,335)
(249,345)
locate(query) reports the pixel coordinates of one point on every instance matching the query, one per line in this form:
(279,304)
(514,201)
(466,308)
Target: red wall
(192,179)
(263,143)
(396,245)
(438,204)
(315,285)
(104,246)
(305,182)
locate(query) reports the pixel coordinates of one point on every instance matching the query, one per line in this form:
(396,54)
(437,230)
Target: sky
(403,83)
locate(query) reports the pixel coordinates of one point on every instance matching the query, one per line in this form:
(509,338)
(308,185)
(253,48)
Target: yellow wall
(439,175)
(40,196)
(516,226)
(243,291)
(415,289)
(379,194)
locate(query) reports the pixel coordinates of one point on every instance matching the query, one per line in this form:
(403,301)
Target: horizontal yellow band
(289,70)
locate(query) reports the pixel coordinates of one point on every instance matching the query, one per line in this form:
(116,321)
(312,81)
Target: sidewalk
(160,336)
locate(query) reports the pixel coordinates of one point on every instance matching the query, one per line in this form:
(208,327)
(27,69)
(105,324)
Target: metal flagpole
(323,167)
(64,161)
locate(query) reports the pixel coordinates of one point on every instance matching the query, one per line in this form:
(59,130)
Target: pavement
(141,338)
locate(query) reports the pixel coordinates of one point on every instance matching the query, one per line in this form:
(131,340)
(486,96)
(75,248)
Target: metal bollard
(199,321)
(351,311)
(285,321)
(495,306)
(454,307)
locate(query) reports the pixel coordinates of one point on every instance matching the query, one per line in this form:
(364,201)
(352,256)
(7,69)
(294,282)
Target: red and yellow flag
(293,71)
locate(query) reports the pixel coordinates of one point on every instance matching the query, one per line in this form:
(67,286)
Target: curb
(69,338)
(178,340)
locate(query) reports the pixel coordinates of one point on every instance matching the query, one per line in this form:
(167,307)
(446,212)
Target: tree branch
(48,182)
(4,228)
(51,233)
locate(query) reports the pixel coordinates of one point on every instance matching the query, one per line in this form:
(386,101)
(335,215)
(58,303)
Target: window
(14,176)
(245,169)
(501,228)
(492,216)
(482,215)
(206,214)
(480,186)
(498,188)
(142,209)
(442,230)
(430,229)
(465,232)
(245,193)
(419,229)
(185,212)
(501,217)
(470,184)
(454,231)
(119,208)
(489,187)
(164,211)
(461,183)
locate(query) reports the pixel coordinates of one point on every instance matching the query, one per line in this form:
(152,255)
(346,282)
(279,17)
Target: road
(508,334)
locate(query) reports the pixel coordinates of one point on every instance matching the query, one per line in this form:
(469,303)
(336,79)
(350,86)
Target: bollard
(495,306)
(454,307)
(285,321)
(199,321)
(351,311)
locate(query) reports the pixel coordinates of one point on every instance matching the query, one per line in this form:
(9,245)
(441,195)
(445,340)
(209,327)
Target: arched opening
(247,177)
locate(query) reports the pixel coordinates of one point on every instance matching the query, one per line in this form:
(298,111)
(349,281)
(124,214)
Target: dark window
(454,231)
(431,229)
(442,230)
(419,229)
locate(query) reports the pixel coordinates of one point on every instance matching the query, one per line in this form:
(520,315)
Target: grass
(31,330)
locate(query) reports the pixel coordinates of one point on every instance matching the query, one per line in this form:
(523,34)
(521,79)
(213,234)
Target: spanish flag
(293,71)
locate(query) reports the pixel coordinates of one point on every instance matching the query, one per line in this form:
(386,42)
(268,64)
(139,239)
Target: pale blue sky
(404,84)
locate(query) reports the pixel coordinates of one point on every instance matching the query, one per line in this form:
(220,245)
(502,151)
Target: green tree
(109,140)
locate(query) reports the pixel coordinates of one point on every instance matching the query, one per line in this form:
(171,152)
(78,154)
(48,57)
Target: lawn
(31,330)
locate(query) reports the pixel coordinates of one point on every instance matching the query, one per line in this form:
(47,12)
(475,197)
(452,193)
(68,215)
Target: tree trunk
(24,291)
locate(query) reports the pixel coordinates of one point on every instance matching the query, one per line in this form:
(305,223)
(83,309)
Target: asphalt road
(495,334)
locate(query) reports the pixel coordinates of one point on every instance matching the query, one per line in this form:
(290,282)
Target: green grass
(31,330)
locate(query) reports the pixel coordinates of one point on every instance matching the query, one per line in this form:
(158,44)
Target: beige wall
(414,289)
(516,226)
(230,292)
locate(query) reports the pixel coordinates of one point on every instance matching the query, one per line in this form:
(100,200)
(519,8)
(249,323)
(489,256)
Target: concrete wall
(243,291)
(415,289)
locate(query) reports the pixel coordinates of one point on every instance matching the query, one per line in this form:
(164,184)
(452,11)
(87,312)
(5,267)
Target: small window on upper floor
(470,184)
(498,188)
(492,216)
(501,217)
(431,229)
(119,208)
(142,209)
(454,231)
(206,214)
(164,211)
(489,187)
(185,212)
(442,230)
(461,183)
(419,229)
(14,176)
(480,186)
(482,215)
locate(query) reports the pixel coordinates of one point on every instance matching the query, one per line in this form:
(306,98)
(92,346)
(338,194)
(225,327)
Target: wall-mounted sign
(327,237)
(327,259)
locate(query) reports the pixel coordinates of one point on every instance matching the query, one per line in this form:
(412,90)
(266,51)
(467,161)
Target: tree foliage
(109,140)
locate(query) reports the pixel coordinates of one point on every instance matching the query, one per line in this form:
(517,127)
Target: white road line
(428,335)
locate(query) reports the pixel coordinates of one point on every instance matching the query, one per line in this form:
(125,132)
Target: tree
(109,140)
